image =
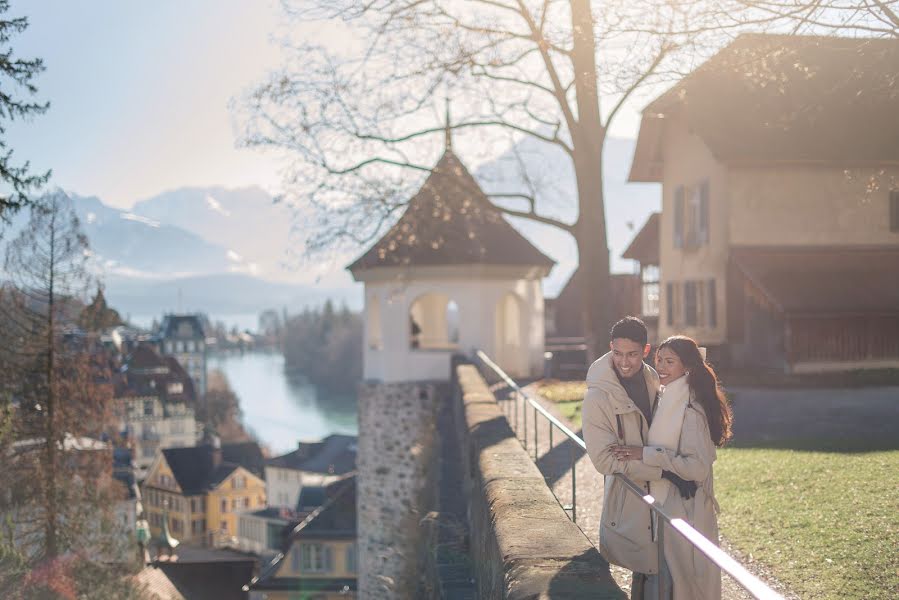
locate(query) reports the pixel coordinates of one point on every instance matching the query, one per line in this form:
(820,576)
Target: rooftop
(771,98)
(450,221)
(334,455)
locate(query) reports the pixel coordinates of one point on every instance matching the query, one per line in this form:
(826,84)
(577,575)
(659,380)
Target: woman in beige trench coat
(692,417)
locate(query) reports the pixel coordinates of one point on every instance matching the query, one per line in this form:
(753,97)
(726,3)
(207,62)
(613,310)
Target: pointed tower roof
(450,221)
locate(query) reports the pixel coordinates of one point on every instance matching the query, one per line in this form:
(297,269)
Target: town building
(155,401)
(312,463)
(452,275)
(779,233)
(320,557)
(203,488)
(183,337)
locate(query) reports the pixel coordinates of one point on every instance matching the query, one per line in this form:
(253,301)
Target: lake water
(279,409)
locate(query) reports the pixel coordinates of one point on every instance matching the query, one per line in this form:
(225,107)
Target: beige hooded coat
(625,530)
(693,575)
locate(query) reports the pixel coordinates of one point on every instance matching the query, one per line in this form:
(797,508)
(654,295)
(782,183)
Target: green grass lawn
(823,517)
(825,523)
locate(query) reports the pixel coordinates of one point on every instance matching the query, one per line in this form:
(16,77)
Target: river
(280,409)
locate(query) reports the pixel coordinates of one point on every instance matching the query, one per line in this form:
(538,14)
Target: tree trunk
(590,231)
(51,474)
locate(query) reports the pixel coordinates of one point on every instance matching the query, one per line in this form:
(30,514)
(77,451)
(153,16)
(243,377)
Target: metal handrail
(724,561)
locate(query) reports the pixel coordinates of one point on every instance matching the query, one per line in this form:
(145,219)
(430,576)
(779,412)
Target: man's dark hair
(630,328)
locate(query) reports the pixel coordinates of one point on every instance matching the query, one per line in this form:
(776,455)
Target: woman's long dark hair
(705,385)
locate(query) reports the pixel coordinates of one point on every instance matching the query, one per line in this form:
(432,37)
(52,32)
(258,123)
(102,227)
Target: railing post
(524,412)
(535,434)
(664,593)
(551,425)
(515,402)
(573,483)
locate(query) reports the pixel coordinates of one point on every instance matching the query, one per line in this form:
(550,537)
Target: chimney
(216,444)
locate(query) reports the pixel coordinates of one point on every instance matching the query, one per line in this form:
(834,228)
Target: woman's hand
(628,452)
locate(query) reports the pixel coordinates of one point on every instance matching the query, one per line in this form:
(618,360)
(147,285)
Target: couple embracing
(660,428)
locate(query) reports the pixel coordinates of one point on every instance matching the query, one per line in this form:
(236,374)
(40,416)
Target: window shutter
(329,559)
(679,217)
(704,212)
(894,210)
(690,302)
(669,302)
(713,304)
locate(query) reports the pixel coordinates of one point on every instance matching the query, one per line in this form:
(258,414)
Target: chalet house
(452,275)
(320,556)
(779,234)
(203,488)
(183,337)
(312,463)
(155,401)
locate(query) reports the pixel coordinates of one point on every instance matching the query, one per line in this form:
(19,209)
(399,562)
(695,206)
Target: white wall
(478,295)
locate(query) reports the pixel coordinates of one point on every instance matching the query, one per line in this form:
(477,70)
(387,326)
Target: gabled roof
(182,327)
(334,455)
(198,470)
(774,98)
(451,222)
(644,248)
(146,373)
(824,280)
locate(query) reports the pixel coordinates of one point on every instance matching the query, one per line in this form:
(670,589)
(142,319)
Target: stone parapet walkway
(555,464)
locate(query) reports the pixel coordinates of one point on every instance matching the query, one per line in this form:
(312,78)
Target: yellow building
(321,559)
(204,488)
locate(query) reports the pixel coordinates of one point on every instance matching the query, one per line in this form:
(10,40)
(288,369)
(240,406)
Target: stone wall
(395,485)
(523,544)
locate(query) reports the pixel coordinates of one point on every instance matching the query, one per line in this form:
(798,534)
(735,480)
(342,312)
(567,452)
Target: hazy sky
(139,93)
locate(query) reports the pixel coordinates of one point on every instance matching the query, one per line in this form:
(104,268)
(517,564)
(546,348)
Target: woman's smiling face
(669,366)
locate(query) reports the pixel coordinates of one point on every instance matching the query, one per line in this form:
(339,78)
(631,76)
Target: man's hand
(686,488)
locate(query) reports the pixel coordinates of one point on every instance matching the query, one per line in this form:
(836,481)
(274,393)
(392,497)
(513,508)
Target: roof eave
(647,165)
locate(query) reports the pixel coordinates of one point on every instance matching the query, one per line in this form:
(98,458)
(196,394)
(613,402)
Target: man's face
(627,356)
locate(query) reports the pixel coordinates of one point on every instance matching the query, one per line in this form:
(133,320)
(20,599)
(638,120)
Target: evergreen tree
(16,77)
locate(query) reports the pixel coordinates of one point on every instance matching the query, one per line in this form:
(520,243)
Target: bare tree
(16,76)
(56,394)
(867,18)
(359,116)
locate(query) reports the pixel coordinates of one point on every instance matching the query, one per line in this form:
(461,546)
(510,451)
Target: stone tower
(451,276)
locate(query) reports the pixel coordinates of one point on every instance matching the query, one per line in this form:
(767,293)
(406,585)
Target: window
(690,303)
(351,558)
(679,217)
(223,525)
(224,505)
(148,408)
(894,210)
(315,558)
(198,526)
(691,215)
(246,502)
(650,300)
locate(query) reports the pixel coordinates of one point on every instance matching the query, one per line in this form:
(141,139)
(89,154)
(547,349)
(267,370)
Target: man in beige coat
(621,391)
